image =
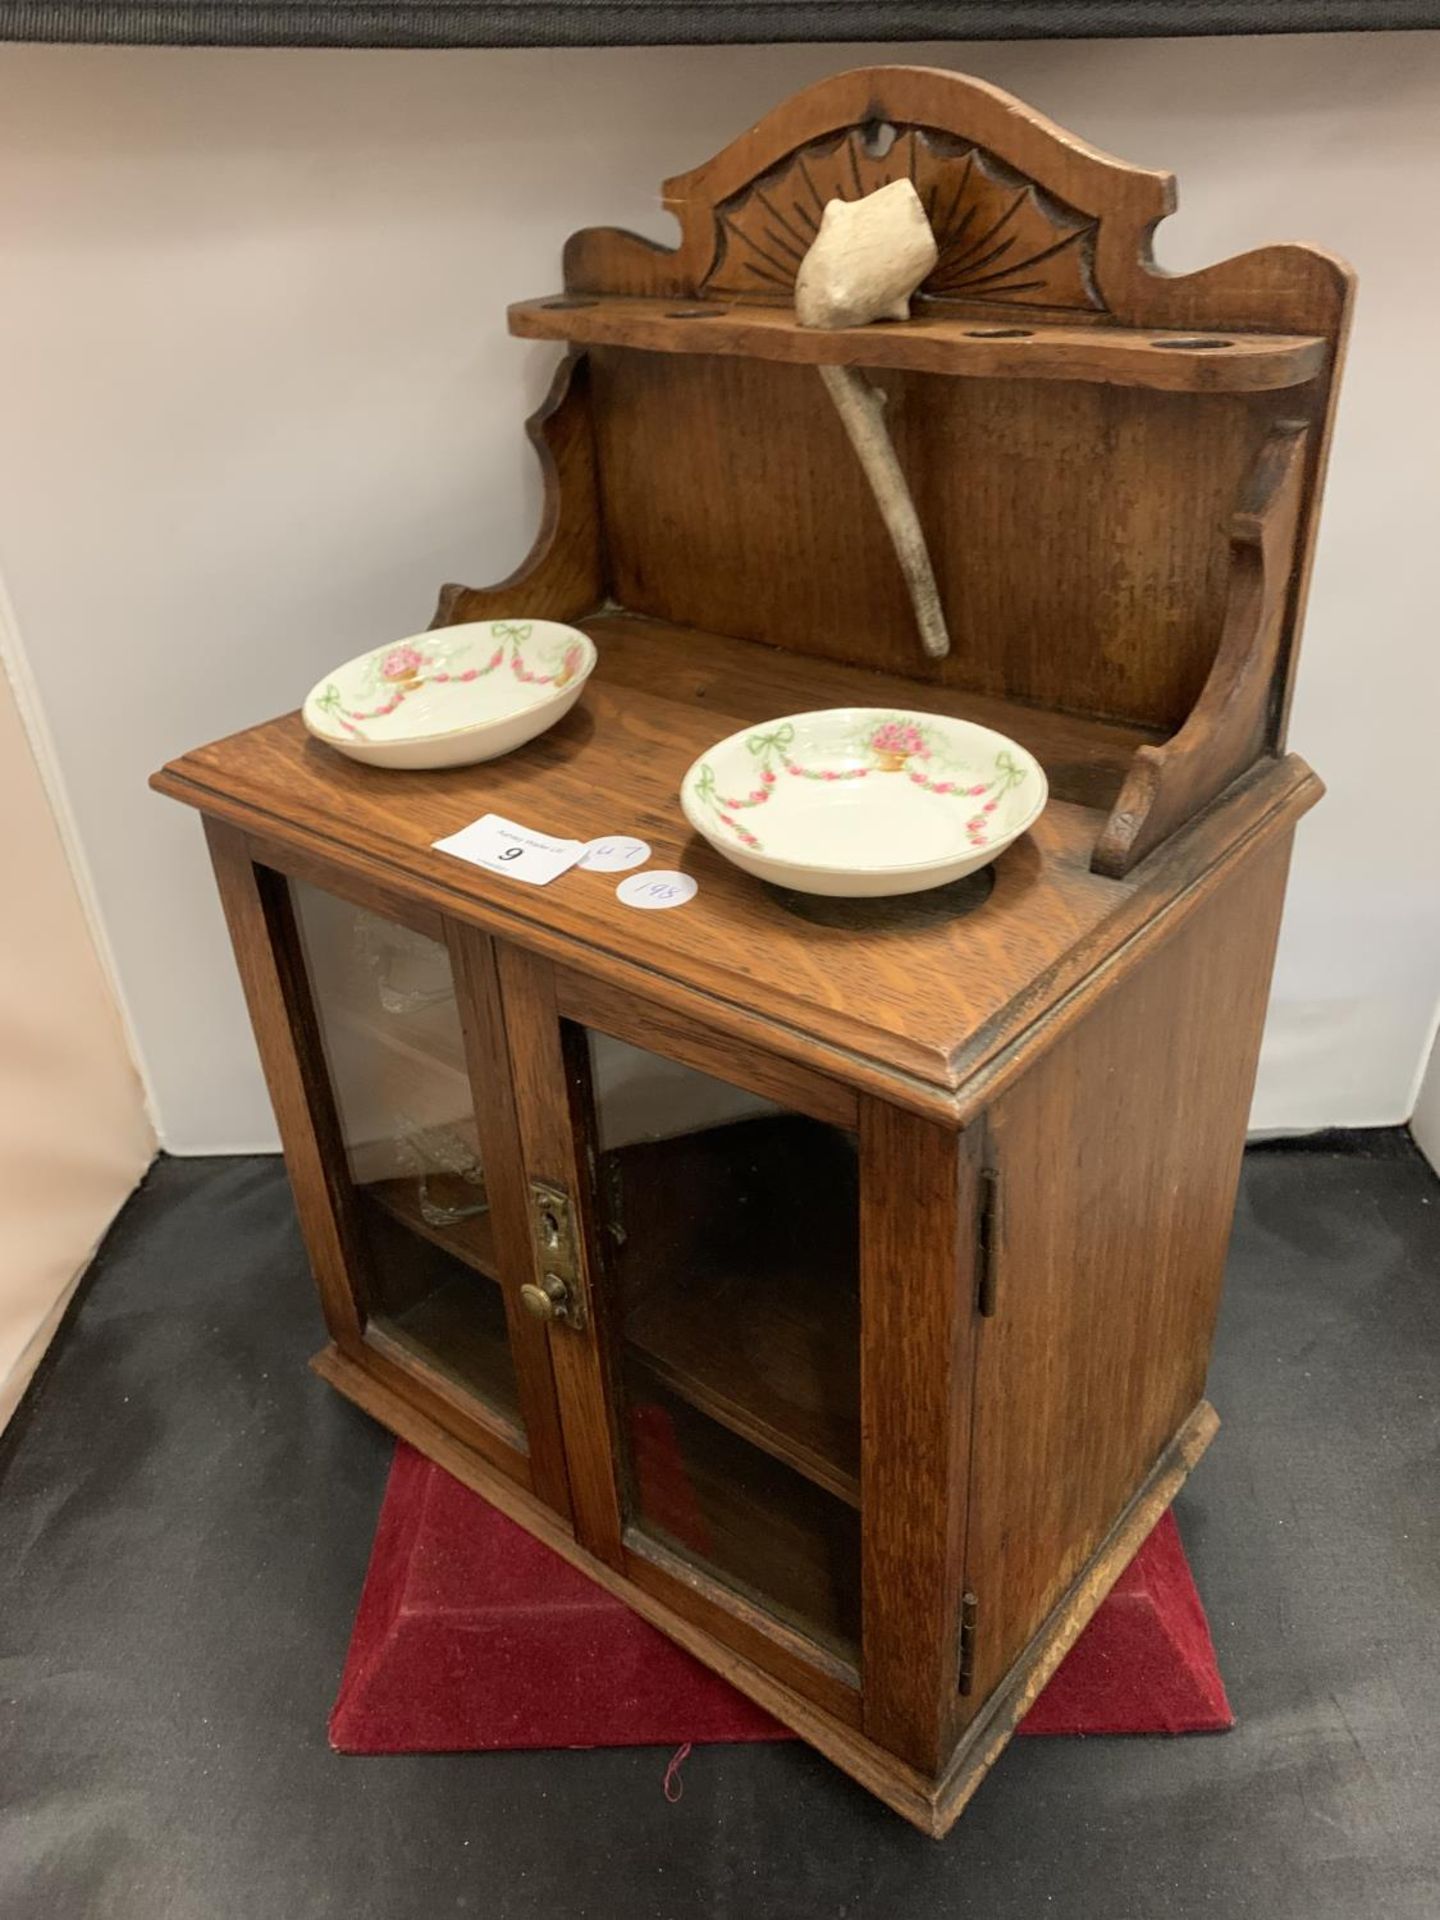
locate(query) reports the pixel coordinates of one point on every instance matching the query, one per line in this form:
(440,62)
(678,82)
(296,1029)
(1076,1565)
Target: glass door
(414,1105)
(727,1234)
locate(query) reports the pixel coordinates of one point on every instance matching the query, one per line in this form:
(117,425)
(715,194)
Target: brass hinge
(987,1254)
(969,1609)
(558,1294)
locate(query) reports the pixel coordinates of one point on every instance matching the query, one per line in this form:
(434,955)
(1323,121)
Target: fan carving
(1001,238)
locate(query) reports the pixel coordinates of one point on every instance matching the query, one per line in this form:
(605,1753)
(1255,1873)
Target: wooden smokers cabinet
(833,1280)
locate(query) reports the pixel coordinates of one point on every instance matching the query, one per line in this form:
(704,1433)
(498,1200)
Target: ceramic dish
(452,696)
(863,801)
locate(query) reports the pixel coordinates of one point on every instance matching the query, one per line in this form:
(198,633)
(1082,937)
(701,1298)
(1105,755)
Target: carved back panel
(1079,532)
(1002,240)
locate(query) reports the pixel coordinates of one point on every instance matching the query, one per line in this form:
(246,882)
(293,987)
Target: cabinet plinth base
(932,1805)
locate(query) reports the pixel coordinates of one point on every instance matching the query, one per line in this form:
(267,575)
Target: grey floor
(185,1515)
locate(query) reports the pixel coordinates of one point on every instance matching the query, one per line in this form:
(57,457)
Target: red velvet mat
(471,1635)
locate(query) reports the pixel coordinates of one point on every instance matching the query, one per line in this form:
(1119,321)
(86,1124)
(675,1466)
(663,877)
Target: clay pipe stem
(861,408)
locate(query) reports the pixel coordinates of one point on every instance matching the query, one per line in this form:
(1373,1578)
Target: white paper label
(616,853)
(504,846)
(655,890)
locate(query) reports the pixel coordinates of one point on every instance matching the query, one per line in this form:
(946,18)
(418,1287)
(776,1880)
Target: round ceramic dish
(451,696)
(863,801)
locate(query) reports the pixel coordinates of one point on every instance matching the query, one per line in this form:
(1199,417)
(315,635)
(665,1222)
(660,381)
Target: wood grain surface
(1077,531)
(990,1731)
(552,1149)
(474,964)
(917,1247)
(896,1001)
(1118,1156)
(1236,717)
(935,341)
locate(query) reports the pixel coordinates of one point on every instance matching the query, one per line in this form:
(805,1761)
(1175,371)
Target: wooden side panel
(1078,531)
(917,1226)
(987,1734)
(1118,1157)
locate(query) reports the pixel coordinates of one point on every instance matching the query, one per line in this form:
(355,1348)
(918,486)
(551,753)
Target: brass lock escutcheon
(559,1292)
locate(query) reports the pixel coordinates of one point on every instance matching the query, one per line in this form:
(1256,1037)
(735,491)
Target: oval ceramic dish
(453,695)
(863,801)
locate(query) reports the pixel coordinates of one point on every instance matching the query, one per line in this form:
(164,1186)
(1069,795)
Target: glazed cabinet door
(705,1320)
(381,1036)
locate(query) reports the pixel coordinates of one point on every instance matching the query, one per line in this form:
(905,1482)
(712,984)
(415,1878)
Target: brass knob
(548,1299)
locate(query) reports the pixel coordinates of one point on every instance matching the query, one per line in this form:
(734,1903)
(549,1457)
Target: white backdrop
(257,401)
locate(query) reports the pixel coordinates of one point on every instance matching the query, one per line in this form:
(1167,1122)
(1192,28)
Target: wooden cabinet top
(925,998)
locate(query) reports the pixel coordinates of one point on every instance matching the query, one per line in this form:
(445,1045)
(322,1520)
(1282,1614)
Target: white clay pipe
(867,259)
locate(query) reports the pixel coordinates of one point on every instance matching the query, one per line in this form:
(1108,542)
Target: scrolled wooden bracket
(1237,717)
(564,574)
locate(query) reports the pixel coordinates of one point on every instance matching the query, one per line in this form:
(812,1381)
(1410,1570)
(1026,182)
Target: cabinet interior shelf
(471,1241)
(430,1310)
(462,1355)
(679,1339)
(937,339)
(769,1534)
(768,1347)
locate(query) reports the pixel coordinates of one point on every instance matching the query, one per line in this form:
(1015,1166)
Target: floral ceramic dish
(862,801)
(452,696)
